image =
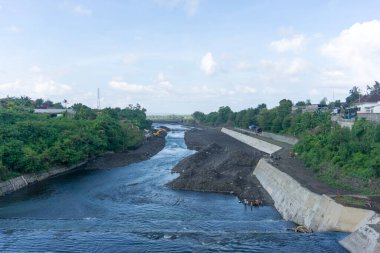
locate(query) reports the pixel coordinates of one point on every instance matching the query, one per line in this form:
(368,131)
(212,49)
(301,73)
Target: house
(369,107)
(369,104)
(55,112)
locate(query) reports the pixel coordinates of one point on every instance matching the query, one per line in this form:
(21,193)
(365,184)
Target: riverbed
(128,209)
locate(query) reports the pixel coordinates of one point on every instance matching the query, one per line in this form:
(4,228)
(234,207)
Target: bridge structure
(170,119)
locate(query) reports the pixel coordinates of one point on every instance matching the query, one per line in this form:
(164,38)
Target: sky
(180,56)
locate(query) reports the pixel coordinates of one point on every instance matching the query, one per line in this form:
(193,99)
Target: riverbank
(105,161)
(220,155)
(222,164)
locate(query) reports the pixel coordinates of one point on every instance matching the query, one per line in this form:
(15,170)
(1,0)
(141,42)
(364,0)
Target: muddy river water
(129,209)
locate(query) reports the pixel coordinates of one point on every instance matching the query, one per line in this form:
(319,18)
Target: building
(369,107)
(55,112)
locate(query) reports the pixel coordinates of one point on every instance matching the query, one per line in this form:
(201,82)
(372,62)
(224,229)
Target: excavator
(159,131)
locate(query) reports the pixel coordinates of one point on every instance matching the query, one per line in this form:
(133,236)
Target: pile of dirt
(113,160)
(222,164)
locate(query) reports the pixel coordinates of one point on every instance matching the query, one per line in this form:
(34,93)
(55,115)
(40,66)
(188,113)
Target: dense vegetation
(340,156)
(31,142)
(344,157)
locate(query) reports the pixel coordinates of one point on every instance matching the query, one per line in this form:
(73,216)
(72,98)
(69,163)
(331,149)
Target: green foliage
(355,93)
(375,89)
(33,142)
(355,153)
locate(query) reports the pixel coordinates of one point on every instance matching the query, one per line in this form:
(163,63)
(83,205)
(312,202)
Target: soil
(222,164)
(113,160)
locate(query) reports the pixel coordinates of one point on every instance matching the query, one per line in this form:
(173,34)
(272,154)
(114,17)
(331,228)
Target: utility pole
(333,95)
(98,105)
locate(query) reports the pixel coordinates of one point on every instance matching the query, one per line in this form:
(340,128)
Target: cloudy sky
(178,56)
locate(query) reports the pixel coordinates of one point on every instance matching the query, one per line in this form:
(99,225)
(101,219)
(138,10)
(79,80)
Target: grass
(351,201)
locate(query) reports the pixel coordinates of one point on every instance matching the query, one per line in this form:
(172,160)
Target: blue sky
(178,56)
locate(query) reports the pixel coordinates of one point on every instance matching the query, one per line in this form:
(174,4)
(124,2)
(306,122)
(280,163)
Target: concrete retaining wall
(17,183)
(298,204)
(366,238)
(253,142)
(276,137)
(375,117)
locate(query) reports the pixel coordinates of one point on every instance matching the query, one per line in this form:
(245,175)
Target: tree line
(30,142)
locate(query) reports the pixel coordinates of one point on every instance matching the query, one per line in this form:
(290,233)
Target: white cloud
(9,88)
(295,66)
(41,87)
(356,54)
(283,68)
(294,44)
(130,87)
(35,69)
(162,81)
(82,10)
(208,64)
(160,87)
(130,59)
(46,87)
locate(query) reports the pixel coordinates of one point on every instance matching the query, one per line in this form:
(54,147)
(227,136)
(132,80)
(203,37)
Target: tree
(355,94)
(38,103)
(225,115)
(323,102)
(375,89)
(199,116)
(300,103)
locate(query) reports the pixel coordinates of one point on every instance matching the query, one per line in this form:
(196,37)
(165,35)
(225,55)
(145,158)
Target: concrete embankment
(318,212)
(366,238)
(298,204)
(253,142)
(17,183)
(276,137)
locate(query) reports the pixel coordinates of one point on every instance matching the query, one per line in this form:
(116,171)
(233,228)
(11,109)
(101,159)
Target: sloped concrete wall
(276,137)
(17,183)
(298,204)
(253,142)
(366,238)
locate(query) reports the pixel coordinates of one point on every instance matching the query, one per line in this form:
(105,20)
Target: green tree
(355,93)
(375,89)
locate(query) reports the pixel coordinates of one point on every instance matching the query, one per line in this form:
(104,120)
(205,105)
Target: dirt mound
(223,165)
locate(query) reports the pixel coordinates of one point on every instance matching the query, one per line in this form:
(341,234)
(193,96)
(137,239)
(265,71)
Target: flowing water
(129,209)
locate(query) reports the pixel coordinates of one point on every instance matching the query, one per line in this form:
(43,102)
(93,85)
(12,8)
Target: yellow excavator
(159,131)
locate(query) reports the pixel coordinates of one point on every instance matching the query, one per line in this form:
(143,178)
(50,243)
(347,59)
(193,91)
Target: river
(129,209)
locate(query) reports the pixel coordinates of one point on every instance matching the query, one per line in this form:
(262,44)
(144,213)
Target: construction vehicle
(159,131)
